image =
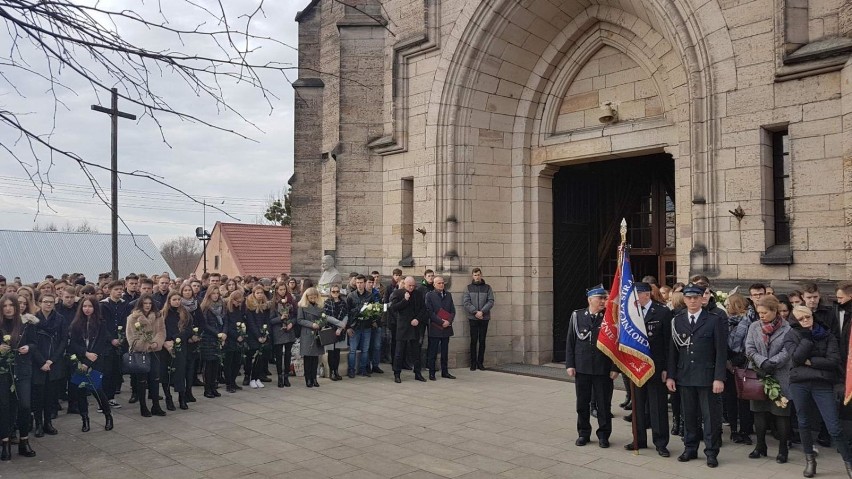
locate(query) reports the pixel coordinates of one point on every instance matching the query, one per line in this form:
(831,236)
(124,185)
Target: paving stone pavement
(482,425)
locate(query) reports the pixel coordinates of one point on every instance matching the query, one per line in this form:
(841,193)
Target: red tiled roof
(258,250)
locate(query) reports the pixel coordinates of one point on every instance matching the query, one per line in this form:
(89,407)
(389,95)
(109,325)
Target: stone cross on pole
(114,113)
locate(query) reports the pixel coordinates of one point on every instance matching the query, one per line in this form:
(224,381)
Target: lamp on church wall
(608,113)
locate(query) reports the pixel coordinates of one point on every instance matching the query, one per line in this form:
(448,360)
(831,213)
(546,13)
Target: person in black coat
(90,344)
(213,337)
(408,306)
(696,368)
(257,323)
(815,354)
(173,366)
(48,364)
(17,332)
(114,311)
(235,313)
(592,370)
(651,400)
(189,302)
(442,312)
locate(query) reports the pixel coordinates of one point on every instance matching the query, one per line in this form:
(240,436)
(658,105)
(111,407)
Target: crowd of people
(793,348)
(65,340)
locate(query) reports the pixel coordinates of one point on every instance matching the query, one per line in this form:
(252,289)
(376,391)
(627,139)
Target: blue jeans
(376,347)
(813,400)
(359,342)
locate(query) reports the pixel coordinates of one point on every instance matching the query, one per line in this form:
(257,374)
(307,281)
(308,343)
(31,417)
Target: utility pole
(114,113)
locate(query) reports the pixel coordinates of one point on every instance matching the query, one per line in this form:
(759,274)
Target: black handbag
(327,335)
(136,363)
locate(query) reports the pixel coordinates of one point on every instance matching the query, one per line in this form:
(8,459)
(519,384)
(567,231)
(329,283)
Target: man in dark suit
(651,401)
(408,304)
(696,368)
(592,370)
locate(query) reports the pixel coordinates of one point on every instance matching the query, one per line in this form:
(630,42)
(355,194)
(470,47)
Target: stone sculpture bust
(330,276)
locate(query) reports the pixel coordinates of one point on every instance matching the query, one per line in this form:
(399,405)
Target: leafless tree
(181,254)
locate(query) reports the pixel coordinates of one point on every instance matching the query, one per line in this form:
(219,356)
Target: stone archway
(500,73)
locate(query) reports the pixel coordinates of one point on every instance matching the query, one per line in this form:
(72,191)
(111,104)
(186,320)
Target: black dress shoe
(628,418)
(108,425)
(378,370)
(208,395)
(757,453)
(781,458)
(473,368)
(351,375)
(420,378)
(397,379)
(663,452)
(133,398)
(687,456)
(480,366)
(628,406)
(432,377)
(581,441)
(24,448)
(629,447)
(49,429)
(447,376)
(603,443)
(231,389)
(624,403)
(712,461)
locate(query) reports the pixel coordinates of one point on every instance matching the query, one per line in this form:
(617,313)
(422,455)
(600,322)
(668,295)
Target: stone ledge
(779,254)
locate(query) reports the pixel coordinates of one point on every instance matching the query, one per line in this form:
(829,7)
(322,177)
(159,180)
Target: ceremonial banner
(622,336)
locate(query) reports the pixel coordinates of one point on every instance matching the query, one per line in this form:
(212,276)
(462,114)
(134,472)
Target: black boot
(308,382)
(781,458)
(182,401)
(170,403)
(246,380)
(133,398)
(49,429)
(281,380)
(156,410)
(25,450)
(39,426)
(810,465)
(143,406)
(208,392)
(188,395)
(85,427)
(6,455)
(286,380)
(108,422)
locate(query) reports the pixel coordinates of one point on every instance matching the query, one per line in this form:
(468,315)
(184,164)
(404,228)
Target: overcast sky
(204,162)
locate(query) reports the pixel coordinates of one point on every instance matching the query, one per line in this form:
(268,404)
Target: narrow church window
(781,185)
(407,217)
(216,262)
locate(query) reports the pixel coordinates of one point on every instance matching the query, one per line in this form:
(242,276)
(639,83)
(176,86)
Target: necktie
(692,319)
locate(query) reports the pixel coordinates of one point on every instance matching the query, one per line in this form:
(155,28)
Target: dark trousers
(112,373)
(45,399)
(231,365)
(211,374)
(406,352)
(15,406)
(599,388)
(434,345)
(255,366)
(815,400)
(284,355)
(149,382)
(736,410)
(700,402)
(334,361)
(478,331)
(652,397)
(311,365)
(83,401)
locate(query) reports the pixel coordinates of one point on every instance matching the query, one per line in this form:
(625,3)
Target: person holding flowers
(90,345)
(190,303)
(213,339)
(173,370)
(235,328)
(338,315)
(765,351)
(282,324)
(312,318)
(146,334)
(815,354)
(257,322)
(51,338)
(18,339)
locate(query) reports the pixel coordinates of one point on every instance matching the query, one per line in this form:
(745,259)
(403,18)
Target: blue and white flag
(632,335)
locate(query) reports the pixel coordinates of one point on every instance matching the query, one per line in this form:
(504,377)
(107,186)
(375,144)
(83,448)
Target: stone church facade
(514,135)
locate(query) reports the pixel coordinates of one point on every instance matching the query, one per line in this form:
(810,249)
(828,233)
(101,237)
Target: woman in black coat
(235,314)
(89,345)
(49,367)
(190,303)
(17,332)
(283,327)
(257,325)
(213,337)
(815,355)
(337,314)
(173,370)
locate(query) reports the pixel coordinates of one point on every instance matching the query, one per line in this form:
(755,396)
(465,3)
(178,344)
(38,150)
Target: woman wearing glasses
(310,318)
(51,337)
(815,355)
(337,315)
(283,329)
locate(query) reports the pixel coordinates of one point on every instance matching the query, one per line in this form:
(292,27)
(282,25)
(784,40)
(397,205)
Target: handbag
(136,363)
(749,386)
(93,381)
(327,336)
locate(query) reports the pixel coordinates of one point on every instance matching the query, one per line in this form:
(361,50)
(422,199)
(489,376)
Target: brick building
(514,135)
(244,249)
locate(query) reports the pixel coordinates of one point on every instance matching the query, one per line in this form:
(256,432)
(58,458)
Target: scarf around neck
(770,328)
(190,304)
(218,308)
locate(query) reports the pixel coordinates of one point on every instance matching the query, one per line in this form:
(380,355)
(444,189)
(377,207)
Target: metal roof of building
(34,254)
